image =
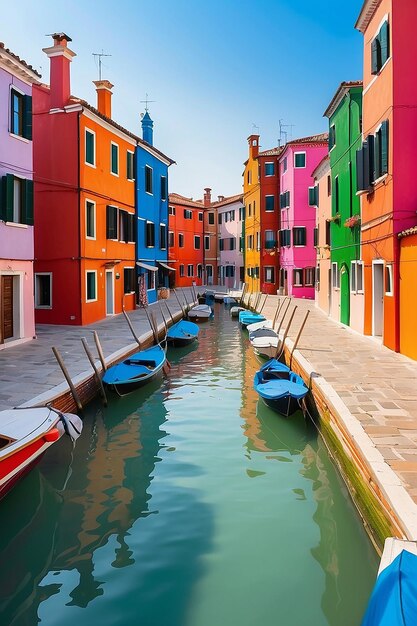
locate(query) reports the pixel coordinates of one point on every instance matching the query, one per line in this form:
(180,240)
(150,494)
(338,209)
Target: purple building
(297,162)
(16,199)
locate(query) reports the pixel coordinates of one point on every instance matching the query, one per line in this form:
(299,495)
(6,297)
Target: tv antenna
(99,55)
(255,127)
(146,102)
(284,133)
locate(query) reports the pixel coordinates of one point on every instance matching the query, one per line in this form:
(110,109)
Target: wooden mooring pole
(96,372)
(99,350)
(67,378)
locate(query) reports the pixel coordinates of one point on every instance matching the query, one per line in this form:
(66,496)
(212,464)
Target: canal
(187,503)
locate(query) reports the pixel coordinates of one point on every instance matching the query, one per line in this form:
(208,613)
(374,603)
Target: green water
(188,503)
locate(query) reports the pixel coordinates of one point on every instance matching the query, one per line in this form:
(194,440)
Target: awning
(150,268)
(167,267)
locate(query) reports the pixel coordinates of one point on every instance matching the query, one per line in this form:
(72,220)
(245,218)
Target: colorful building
(298,160)
(16,200)
(252,227)
(230,218)
(186,240)
(151,182)
(386,169)
(211,246)
(321,197)
(268,167)
(345,137)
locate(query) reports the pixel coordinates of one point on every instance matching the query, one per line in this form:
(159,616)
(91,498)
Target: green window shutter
(311,196)
(111,222)
(7,198)
(384,147)
(89,147)
(27,117)
(384,42)
(374,56)
(316,195)
(377,160)
(28,202)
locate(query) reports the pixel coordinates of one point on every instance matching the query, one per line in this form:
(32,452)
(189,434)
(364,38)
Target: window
(332,136)
(249,177)
(285,237)
(329,185)
(269,273)
(16,123)
(328,232)
(380,49)
(90,147)
(131,221)
(335,276)
(232,243)
(297,277)
(254,208)
(207,242)
(149,234)
(356,276)
(284,200)
(381,151)
(200,217)
(221,245)
(130,175)
(258,240)
(164,188)
(111,222)
(90,219)
(241,213)
(241,244)
(180,240)
(123,225)
(229,271)
(91,286)
(43,291)
(269,169)
(170,239)
(309,276)
(114,158)
(250,242)
(171,210)
(16,203)
(151,280)
(211,218)
(250,210)
(199,271)
(219,218)
(128,280)
(318,277)
(299,159)
(148,179)
(162,236)
(389,285)
(181,270)
(284,165)
(188,215)
(17,200)
(190,271)
(269,203)
(316,237)
(197,242)
(270,241)
(299,236)
(335,196)
(313,196)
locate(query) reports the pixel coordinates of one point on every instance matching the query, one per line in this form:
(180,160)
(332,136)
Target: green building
(345,137)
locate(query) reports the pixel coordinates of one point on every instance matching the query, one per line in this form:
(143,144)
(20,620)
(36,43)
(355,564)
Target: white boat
(235,310)
(266,346)
(25,434)
(201,312)
(258,325)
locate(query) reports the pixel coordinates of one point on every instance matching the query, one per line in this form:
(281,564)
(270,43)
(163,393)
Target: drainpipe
(396,277)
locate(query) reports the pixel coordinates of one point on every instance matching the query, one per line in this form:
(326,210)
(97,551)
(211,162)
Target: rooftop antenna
(284,133)
(100,55)
(254,126)
(146,102)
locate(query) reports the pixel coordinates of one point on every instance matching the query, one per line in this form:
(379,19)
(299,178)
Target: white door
(377,298)
(109,293)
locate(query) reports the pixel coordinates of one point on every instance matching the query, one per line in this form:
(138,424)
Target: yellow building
(252,202)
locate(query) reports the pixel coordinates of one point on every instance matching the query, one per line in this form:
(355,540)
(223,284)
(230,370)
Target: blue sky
(215,68)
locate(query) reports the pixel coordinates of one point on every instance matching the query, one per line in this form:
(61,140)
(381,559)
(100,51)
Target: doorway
(377,298)
(109,292)
(6,309)
(344,295)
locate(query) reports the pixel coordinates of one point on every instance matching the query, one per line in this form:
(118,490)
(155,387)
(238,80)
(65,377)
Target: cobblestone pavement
(378,386)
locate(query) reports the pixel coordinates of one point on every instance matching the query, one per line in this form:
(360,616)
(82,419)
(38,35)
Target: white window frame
(188,270)
(195,237)
(86,284)
(43,306)
(269,163)
(133,164)
(87,201)
(258,240)
(312,270)
(183,240)
(152,287)
(199,270)
(389,267)
(127,267)
(181,270)
(335,276)
(269,195)
(206,239)
(356,269)
(92,132)
(300,270)
(171,210)
(271,270)
(300,245)
(171,232)
(113,143)
(284,164)
(297,167)
(150,193)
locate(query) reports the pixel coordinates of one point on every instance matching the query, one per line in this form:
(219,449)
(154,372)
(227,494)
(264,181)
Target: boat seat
(150,364)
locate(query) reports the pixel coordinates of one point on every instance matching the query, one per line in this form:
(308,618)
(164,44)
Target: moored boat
(247,317)
(182,333)
(200,313)
(135,371)
(279,387)
(235,310)
(25,435)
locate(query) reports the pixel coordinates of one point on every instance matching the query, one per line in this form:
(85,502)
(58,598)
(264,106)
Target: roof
(320,138)
(342,90)
(18,60)
(176,198)
(228,200)
(321,166)
(367,11)
(408,231)
(272,152)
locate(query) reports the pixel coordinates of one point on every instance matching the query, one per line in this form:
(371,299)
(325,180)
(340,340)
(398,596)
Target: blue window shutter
(384,147)
(27,117)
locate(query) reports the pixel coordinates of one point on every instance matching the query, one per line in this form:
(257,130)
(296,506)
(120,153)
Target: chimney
(253,141)
(104,94)
(220,198)
(147,129)
(207,197)
(60,56)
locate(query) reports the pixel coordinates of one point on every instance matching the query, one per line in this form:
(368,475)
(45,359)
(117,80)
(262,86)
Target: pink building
(298,214)
(16,200)
(231,271)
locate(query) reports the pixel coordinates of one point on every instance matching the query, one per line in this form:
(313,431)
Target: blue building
(151,190)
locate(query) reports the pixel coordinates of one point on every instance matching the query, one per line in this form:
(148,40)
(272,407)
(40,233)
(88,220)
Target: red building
(270,219)
(186,240)
(211,237)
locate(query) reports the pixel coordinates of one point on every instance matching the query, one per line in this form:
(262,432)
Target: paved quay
(30,369)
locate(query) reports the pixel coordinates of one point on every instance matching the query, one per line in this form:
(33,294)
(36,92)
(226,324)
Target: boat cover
(249,318)
(276,389)
(394,598)
(138,365)
(258,325)
(183,329)
(273,365)
(261,332)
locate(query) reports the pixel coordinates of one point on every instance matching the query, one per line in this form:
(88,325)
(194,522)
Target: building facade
(252,229)
(186,241)
(211,243)
(345,137)
(297,252)
(321,197)
(230,219)
(16,199)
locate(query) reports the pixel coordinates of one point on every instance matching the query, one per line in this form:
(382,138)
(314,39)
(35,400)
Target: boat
(219,296)
(279,387)
(266,346)
(247,317)
(208,297)
(200,313)
(135,371)
(25,435)
(393,601)
(235,310)
(261,332)
(182,333)
(229,301)
(258,325)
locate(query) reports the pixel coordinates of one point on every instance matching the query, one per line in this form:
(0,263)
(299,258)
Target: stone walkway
(378,386)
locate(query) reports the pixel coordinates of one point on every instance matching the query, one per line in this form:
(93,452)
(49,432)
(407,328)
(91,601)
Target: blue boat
(182,333)
(279,387)
(135,371)
(394,598)
(246,318)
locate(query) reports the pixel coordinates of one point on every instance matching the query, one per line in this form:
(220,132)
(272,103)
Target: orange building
(186,240)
